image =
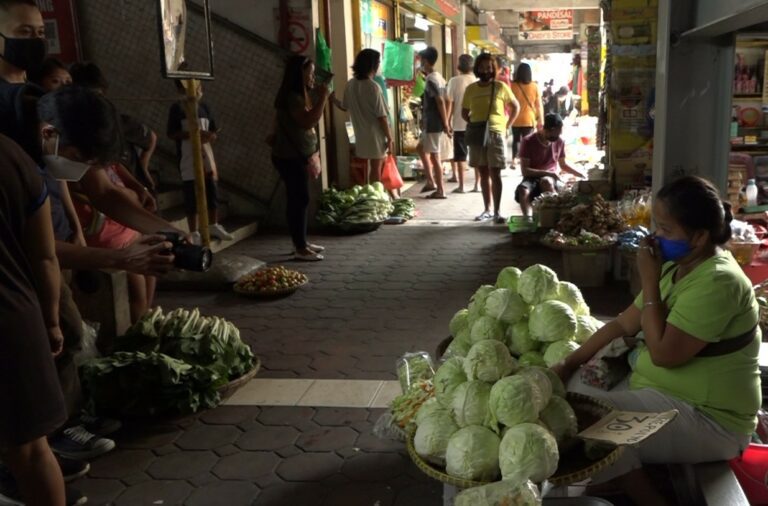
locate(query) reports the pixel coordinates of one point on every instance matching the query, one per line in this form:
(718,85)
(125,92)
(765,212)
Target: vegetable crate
(586,268)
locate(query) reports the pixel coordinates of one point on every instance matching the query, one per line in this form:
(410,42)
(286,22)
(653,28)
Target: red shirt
(540,156)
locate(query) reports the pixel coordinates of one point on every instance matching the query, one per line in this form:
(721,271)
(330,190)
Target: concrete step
(241,227)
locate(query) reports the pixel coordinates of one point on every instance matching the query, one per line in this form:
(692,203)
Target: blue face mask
(673,250)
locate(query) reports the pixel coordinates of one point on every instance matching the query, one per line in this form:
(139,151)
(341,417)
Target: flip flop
(428,188)
(499,220)
(453,180)
(436,196)
(474,190)
(458,190)
(483,217)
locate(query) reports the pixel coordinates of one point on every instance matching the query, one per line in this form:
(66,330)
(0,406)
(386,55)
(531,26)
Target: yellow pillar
(191,105)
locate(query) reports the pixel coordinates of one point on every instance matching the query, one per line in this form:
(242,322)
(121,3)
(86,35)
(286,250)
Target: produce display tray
(233,386)
(355,228)
(574,466)
(560,247)
(268,294)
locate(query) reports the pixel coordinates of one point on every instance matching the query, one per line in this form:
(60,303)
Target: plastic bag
(398,61)
(420,86)
(413,367)
(386,428)
(390,176)
(88,349)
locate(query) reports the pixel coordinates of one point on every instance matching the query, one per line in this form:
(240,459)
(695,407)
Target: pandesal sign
(186,47)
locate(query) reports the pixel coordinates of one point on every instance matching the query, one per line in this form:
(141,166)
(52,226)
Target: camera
(189,257)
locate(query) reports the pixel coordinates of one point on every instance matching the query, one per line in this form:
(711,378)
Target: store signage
(448,8)
(294,30)
(374,18)
(549,24)
(61,32)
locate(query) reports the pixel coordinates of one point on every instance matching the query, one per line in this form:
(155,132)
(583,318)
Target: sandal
(484,217)
(459,190)
(453,180)
(316,248)
(436,196)
(428,188)
(312,257)
(499,219)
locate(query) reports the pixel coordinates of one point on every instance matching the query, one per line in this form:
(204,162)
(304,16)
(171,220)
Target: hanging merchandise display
(398,61)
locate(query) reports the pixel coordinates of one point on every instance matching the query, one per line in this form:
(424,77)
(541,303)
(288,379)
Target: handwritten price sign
(628,427)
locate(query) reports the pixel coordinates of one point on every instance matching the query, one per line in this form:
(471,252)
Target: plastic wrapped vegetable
(500,493)
(528,452)
(447,378)
(413,367)
(470,403)
(473,454)
(489,360)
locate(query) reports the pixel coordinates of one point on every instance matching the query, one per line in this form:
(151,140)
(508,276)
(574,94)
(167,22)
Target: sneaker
(197,239)
(99,425)
(310,257)
(219,232)
(72,469)
(483,217)
(79,444)
(10,496)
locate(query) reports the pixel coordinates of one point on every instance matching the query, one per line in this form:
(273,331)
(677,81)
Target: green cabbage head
(558,388)
(528,452)
(508,277)
(542,386)
(537,283)
(431,407)
(500,493)
(432,435)
(486,327)
(571,295)
(560,419)
(470,403)
(585,327)
(530,358)
(458,322)
(506,305)
(558,351)
(512,401)
(519,338)
(552,321)
(458,348)
(489,360)
(473,454)
(477,302)
(447,378)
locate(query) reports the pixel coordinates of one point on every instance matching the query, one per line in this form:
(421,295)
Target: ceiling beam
(532,5)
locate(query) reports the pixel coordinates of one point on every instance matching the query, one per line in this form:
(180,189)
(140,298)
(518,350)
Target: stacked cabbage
(501,411)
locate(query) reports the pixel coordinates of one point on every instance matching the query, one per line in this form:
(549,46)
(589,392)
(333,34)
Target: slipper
(316,257)
(453,180)
(483,217)
(427,188)
(474,190)
(458,190)
(499,220)
(436,196)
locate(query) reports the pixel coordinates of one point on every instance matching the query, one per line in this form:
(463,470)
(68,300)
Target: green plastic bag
(420,86)
(398,61)
(323,74)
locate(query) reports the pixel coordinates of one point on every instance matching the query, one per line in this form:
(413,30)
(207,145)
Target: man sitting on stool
(540,154)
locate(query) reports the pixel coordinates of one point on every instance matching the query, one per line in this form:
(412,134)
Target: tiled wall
(121,36)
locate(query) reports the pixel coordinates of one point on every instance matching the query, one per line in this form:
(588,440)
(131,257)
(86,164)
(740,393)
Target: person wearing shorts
(542,154)
(488,101)
(455,94)
(434,124)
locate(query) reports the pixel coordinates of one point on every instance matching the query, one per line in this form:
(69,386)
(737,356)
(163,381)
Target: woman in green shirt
(699,319)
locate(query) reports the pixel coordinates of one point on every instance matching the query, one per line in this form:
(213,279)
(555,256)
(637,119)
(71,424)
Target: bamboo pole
(191,107)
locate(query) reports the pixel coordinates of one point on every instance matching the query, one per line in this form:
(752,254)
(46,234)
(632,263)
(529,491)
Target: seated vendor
(698,354)
(540,154)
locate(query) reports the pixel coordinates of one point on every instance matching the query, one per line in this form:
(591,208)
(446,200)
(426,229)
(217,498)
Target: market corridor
(292,443)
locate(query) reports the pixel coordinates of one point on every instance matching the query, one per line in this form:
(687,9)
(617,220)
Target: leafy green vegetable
(473,454)
(458,347)
(432,435)
(489,360)
(571,295)
(558,351)
(447,378)
(512,401)
(552,321)
(486,327)
(542,386)
(470,403)
(528,452)
(519,339)
(506,306)
(531,358)
(508,278)
(477,302)
(537,283)
(585,327)
(558,388)
(147,384)
(430,407)
(560,419)
(459,322)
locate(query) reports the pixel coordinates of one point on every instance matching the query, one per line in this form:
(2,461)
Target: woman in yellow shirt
(531,113)
(701,339)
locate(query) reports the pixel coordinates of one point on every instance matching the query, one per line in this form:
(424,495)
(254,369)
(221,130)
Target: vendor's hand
(649,261)
(56,340)
(563,371)
(149,256)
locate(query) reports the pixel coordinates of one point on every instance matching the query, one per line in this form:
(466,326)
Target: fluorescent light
(421,23)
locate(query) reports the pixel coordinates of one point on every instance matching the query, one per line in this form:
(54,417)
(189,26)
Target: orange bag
(390,176)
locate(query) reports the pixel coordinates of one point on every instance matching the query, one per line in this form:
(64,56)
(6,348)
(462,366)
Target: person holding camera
(295,146)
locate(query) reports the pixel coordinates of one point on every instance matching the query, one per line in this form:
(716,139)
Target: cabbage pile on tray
(499,412)
(358,205)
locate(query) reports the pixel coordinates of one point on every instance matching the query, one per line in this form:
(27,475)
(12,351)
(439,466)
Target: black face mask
(25,54)
(553,138)
(485,76)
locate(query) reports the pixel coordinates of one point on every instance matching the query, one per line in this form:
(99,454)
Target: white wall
(256,16)
(708,11)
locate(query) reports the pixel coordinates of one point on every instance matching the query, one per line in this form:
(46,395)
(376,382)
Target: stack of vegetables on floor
(498,411)
(361,205)
(167,364)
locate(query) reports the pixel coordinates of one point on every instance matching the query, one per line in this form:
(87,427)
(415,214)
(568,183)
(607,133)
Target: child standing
(178,130)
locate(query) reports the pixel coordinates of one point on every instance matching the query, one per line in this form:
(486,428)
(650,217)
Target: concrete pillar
(342,47)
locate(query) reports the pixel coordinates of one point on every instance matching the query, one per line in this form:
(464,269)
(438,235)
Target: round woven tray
(226,391)
(574,466)
(268,294)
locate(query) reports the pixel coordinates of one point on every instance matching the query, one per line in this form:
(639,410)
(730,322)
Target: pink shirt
(539,156)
